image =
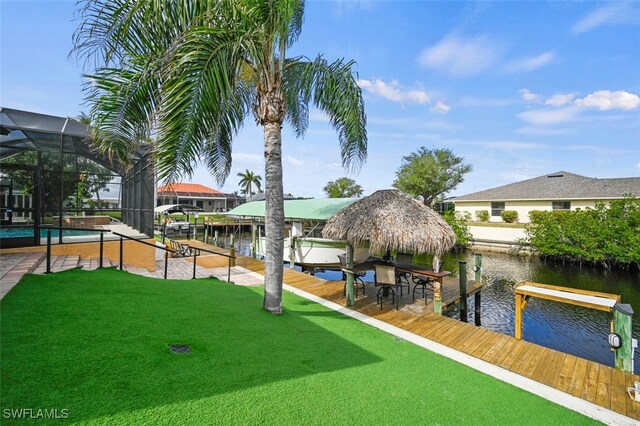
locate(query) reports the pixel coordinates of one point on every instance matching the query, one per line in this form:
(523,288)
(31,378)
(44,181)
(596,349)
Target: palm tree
(248,179)
(187,74)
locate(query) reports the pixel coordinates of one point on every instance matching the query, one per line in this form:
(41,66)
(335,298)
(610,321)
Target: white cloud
(529,96)
(251,159)
(461,57)
(612,13)
(392,91)
(530,64)
(541,117)
(511,145)
(638,165)
(293,162)
(543,131)
(441,107)
(560,99)
(605,100)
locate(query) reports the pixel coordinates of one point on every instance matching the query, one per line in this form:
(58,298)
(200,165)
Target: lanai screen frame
(22,131)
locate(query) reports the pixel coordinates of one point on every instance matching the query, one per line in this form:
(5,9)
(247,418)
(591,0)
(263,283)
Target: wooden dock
(588,380)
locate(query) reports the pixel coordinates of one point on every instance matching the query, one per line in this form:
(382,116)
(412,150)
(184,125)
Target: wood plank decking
(588,380)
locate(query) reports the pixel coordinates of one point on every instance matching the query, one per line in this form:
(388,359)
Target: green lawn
(96,344)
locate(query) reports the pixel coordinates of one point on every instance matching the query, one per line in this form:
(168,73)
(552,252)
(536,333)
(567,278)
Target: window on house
(200,204)
(496,209)
(561,205)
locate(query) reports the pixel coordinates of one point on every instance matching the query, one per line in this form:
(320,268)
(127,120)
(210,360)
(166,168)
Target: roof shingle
(558,186)
(188,190)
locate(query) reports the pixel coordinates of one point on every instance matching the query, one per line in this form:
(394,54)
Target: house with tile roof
(555,191)
(208,199)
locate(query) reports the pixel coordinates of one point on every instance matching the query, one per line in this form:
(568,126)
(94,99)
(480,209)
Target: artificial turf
(97,345)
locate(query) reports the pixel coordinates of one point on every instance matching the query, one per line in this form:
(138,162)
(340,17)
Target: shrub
(459,224)
(536,215)
(605,235)
(509,216)
(482,215)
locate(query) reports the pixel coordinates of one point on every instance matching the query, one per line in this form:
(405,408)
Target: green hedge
(509,216)
(482,215)
(607,235)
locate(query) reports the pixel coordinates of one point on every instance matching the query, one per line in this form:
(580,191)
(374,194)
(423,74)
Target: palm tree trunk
(274,218)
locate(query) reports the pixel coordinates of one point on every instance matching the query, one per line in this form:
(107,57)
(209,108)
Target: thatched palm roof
(391,220)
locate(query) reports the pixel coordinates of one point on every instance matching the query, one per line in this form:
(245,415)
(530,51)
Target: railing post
(233,250)
(121,253)
(195,259)
(215,238)
(229,271)
(48,271)
(463,291)
(166,263)
(101,248)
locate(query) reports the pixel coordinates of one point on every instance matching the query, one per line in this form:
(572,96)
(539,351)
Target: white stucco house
(555,191)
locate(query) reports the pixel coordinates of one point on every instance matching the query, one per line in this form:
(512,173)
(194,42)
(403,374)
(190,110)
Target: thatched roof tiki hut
(391,220)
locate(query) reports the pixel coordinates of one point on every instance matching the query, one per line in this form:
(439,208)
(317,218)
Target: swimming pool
(26,232)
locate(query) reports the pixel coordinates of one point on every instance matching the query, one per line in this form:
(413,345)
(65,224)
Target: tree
(343,188)
(429,173)
(248,179)
(188,73)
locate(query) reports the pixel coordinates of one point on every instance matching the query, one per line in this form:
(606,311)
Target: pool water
(26,232)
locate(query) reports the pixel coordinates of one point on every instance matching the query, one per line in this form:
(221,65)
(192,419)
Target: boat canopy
(312,208)
(177,208)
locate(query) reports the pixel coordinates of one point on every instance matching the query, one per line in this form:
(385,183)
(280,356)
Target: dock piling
(463,291)
(622,315)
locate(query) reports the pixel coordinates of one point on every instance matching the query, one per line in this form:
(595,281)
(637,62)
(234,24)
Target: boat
(303,243)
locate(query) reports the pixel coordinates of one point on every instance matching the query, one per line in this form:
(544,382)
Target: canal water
(571,329)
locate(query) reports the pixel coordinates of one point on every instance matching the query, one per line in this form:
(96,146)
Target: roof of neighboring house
(312,208)
(558,186)
(188,190)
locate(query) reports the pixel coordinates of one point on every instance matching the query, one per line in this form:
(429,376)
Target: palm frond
(203,105)
(332,87)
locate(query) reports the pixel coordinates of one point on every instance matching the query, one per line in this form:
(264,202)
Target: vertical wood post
(215,238)
(350,297)
(206,234)
(477,298)
(518,330)
(292,252)
(437,296)
(253,239)
(622,320)
(463,291)
(233,249)
(478,267)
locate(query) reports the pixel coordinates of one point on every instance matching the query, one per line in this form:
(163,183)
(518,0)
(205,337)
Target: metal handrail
(60,228)
(166,250)
(63,228)
(197,252)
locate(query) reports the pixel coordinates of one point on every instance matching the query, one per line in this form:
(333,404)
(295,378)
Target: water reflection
(571,329)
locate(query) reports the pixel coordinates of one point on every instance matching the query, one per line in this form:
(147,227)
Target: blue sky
(519,89)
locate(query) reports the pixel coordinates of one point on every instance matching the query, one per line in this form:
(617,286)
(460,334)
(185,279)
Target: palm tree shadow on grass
(105,348)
